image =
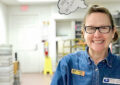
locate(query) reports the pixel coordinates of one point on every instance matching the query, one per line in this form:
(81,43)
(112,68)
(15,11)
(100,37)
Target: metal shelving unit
(68,46)
(6,66)
(116,45)
(78,29)
(64,47)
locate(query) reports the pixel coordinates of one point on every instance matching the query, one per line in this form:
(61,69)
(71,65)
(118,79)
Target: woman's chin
(98,49)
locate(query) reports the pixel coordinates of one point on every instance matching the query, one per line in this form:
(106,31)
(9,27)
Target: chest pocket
(81,77)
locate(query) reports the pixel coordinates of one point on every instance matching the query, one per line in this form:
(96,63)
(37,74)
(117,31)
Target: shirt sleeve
(60,76)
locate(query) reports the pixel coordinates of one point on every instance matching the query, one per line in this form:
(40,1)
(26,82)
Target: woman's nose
(97,33)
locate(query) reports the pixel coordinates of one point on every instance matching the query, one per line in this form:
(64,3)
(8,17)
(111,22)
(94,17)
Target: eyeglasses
(102,29)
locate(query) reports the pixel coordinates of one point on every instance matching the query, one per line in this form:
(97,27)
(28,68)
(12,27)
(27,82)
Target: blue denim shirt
(79,69)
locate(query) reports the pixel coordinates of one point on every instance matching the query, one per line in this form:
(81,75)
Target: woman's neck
(97,56)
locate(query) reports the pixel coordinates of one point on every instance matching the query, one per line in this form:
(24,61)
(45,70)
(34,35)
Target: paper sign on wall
(69,6)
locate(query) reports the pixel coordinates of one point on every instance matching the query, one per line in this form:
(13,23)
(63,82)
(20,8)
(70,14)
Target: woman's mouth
(98,42)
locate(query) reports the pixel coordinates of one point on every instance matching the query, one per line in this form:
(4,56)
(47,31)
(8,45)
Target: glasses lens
(104,29)
(90,29)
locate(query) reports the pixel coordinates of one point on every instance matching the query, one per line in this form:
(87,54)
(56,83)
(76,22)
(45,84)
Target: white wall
(3,24)
(26,31)
(63,28)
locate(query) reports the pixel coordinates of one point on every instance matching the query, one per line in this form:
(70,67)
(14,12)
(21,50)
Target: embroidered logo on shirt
(78,72)
(111,81)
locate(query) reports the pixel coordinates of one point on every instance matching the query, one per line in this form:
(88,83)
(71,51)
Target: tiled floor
(35,79)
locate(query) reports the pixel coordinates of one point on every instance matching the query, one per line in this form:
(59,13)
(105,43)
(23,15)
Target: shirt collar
(88,57)
(108,59)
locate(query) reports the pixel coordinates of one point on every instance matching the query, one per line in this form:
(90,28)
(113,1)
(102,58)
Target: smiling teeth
(98,42)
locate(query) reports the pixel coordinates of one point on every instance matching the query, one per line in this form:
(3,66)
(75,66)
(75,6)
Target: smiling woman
(97,65)
(99,31)
(98,40)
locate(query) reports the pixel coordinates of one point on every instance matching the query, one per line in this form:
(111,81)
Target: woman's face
(98,41)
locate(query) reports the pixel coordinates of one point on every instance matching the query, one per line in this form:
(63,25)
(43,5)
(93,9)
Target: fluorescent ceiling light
(37,0)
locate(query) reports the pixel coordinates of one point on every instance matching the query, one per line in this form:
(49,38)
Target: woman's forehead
(97,18)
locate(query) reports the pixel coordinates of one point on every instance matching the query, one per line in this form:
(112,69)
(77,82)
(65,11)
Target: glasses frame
(98,28)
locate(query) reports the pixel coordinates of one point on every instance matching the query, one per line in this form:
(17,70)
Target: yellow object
(82,43)
(16,67)
(46,43)
(48,66)
(78,72)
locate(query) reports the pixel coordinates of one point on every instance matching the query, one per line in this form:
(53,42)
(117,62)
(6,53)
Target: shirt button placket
(95,76)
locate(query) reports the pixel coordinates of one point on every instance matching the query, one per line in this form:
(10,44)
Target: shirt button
(96,69)
(103,61)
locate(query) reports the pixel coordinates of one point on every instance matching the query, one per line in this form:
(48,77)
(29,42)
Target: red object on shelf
(75,27)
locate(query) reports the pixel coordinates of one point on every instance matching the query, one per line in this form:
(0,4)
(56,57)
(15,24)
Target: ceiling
(15,2)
